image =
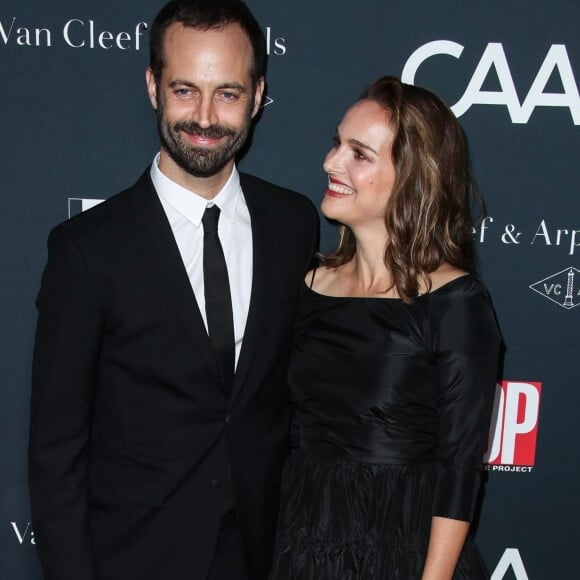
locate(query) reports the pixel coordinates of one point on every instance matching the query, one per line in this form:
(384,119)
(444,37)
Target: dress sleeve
(467,343)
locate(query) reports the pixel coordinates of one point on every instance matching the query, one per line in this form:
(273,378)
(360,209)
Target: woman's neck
(367,270)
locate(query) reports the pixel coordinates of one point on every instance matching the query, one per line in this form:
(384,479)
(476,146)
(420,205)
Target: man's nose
(205,113)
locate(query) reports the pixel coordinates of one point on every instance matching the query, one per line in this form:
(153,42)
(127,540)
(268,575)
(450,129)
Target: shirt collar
(190,204)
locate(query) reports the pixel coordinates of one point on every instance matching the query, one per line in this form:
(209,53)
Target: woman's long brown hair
(428,215)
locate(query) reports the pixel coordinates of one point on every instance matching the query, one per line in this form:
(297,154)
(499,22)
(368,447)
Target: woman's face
(360,169)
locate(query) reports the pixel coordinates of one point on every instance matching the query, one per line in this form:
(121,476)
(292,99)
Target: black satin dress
(393,404)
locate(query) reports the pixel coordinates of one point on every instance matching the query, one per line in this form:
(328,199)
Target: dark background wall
(75,124)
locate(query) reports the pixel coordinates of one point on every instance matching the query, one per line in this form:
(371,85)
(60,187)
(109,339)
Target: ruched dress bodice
(392,407)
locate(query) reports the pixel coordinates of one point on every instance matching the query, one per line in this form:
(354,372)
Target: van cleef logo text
(75,33)
(88,33)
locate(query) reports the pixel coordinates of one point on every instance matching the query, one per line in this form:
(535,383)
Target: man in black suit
(159,410)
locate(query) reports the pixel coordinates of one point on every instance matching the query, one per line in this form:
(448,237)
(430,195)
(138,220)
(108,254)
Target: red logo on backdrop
(514,427)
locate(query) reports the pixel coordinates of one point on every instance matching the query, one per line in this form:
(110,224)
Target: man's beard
(201,161)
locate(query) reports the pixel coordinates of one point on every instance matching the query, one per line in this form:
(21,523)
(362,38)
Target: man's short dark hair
(207,15)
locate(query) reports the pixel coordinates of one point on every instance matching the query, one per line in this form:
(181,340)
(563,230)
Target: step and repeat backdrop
(76,127)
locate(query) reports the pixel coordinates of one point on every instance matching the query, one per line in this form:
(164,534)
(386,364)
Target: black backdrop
(76,125)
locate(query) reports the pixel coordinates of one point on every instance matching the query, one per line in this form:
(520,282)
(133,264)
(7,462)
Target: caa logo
(77,205)
(511,559)
(494,56)
(514,427)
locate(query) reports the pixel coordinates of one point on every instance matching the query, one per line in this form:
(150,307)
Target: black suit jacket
(131,435)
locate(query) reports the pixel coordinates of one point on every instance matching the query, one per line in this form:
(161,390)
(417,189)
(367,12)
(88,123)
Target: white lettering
(21,536)
(494,57)
(138,33)
(424,52)
(27,36)
(23,38)
(123,37)
(557,58)
(512,427)
(510,468)
(66,33)
(559,235)
(105,37)
(483,227)
(6,35)
(494,441)
(573,244)
(542,231)
(279,44)
(91,34)
(78,34)
(48,37)
(555,289)
(510,559)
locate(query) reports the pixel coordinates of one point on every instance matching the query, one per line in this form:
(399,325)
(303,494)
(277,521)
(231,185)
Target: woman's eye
(358,154)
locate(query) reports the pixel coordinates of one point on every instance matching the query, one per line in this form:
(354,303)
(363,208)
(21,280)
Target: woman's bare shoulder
(321,278)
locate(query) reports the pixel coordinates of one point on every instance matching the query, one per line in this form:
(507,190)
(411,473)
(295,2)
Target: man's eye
(228,96)
(183,92)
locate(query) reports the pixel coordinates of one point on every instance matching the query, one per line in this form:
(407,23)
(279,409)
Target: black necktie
(218,300)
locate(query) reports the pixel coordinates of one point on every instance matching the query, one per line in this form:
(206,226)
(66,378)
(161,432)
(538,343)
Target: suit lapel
(260,237)
(161,252)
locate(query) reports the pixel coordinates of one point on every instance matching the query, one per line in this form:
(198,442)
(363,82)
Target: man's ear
(258,94)
(151,87)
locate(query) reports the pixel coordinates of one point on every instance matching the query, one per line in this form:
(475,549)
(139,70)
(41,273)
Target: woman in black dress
(395,360)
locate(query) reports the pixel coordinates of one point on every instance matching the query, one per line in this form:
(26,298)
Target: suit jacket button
(215,483)
(228,419)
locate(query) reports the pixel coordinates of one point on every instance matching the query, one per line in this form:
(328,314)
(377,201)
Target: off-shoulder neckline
(386,299)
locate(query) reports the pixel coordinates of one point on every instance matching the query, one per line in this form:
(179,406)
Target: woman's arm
(467,344)
(445,544)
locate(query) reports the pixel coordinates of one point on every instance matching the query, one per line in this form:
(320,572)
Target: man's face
(204,100)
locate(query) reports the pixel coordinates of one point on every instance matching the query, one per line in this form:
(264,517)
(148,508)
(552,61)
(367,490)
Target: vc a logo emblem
(494,56)
(562,288)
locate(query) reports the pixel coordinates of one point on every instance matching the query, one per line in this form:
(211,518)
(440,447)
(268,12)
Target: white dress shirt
(184,210)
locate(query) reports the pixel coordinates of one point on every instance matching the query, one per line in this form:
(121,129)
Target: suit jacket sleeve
(63,385)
